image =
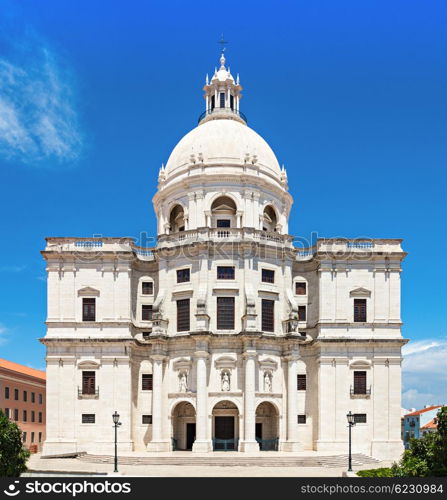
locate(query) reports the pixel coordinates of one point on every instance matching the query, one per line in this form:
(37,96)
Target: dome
(223,141)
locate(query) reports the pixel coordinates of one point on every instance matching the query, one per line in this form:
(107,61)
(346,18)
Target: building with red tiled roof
(23,399)
(424,410)
(419,422)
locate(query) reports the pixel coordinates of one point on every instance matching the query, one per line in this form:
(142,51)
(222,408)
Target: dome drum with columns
(224,336)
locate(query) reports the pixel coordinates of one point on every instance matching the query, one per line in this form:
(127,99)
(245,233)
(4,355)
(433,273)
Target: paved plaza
(177,464)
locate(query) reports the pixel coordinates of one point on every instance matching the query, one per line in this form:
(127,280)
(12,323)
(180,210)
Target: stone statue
(225,381)
(267,382)
(183,382)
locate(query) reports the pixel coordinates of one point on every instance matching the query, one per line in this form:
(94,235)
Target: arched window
(269,220)
(223,211)
(177,219)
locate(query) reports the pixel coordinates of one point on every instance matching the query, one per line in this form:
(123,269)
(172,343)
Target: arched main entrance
(225,426)
(267,428)
(183,426)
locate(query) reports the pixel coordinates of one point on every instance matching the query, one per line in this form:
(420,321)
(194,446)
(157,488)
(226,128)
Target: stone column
(292,443)
(157,442)
(249,443)
(202,442)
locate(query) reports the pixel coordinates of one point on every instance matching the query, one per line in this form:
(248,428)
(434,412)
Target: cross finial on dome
(222,42)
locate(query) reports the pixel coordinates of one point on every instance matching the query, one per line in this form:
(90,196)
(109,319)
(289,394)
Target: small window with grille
(147,419)
(88,418)
(301,382)
(147,288)
(301,419)
(268,315)
(146,312)
(268,276)
(225,273)
(183,315)
(225,313)
(146,382)
(183,275)
(360,418)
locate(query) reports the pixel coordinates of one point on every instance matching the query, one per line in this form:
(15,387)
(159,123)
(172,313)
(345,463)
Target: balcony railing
(84,394)
(225,235)
(360,391)
(222,112)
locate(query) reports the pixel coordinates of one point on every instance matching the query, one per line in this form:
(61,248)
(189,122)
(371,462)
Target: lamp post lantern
(117,423)
(351,422)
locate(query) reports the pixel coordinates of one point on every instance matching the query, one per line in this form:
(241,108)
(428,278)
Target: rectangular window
(360,310)
(222,99)
(301,288)
(40,417)
(147,288)
(88,382)
(40,437)
(33,397)
(301,419)
(88,418)
(183,275)
(7,413)
(16,394)
(359,382)
(268,315)
(16,415)
(24,437)
(88,309)
(6,392)
(225,273)
(25,396)
(268,276)
(224,223)
(231,102)
(183,315)
(146,382)
(213,102)
(146,312)
(40,399)
(360,418)
(25,416)
(32,437)
(301,382)
(147,419)
(302,313)
(33,416)
(225,313)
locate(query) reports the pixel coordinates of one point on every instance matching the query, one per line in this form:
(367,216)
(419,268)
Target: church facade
(224,336)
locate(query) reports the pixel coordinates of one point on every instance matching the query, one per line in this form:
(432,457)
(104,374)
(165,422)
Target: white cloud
(424,373)
(3,334)
(12,269)
(38,120)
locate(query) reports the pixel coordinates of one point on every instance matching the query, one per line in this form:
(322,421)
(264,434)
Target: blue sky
(350,95)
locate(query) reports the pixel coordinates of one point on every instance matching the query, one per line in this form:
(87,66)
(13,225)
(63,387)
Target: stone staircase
(330,461)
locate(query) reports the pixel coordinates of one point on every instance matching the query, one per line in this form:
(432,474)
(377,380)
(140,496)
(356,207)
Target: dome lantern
(222,96)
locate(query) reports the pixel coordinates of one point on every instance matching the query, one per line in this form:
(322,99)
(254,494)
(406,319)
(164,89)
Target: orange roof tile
(430,425)
(25,370)
(415,413)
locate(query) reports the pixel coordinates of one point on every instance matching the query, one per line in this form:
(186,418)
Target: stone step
(239,461)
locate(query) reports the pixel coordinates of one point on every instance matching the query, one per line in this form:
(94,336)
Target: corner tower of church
(223,336)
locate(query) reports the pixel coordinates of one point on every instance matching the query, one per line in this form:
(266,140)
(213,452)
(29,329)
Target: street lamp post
(117,423)
(351,422)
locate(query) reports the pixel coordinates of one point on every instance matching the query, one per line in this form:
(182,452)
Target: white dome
(223,141)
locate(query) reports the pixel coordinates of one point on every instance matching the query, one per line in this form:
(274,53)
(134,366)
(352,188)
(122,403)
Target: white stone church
(224,336)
